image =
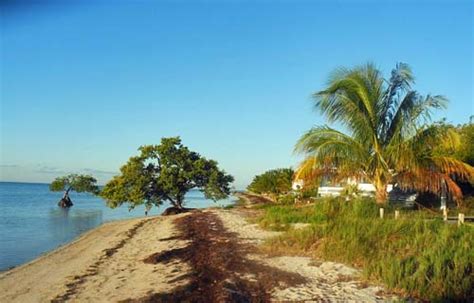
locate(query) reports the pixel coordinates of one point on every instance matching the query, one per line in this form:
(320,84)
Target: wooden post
(445,214)
(460,219)
(397,214)
(381,213)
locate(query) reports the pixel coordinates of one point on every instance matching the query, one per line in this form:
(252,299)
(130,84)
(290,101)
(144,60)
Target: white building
(365,189)
(325,190)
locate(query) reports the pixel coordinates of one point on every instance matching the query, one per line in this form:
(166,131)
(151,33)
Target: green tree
(166,172)
(463,149)
(275,181)
(385,136)
(465,152)
(73,182)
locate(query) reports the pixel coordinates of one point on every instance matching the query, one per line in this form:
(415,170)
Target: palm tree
(385,136)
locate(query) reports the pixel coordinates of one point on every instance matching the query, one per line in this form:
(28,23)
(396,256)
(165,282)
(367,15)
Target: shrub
(307,193)
(286,199)
(275,181)
(467,206)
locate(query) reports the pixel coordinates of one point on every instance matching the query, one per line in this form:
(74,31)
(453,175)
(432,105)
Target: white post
(445,214)
(397,214)
(443,194)
(460,219)
(381,213)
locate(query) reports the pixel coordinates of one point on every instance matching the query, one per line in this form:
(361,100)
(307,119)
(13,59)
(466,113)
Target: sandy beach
(203,256)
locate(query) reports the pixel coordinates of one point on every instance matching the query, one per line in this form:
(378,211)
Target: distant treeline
(275,181)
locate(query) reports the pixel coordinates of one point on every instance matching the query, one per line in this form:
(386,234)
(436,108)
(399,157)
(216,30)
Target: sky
(83,84)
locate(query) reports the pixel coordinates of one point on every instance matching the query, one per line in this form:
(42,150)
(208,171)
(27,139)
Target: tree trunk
(380,183)
(179,203)
(381,194)
(177,207)
(65,202)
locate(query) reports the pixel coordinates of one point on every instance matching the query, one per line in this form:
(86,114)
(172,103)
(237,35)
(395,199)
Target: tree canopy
(275,181)
(166,172)
(75,182)
(463,148)
(465,151)
(385,134)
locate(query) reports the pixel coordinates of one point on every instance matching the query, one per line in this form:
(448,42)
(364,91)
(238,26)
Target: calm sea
(31,223)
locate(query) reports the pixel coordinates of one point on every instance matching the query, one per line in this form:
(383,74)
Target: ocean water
(31,223)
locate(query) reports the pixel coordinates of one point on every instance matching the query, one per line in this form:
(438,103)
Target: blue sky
(83,85)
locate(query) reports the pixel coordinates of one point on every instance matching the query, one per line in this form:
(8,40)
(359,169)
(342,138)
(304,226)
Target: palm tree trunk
(381,194)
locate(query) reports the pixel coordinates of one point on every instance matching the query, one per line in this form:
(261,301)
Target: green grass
(280,217)
(415,255)
(468,206)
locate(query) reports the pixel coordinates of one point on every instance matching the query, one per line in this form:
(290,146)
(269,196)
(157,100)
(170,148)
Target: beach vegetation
(273,182)
(385,135)
(350,191)
(288,198)
(465,151)
(417,255)
(166,172)
(73,182)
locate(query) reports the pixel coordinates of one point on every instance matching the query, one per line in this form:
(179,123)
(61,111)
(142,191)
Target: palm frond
(326,141)
(308,170)
(330,152)
(425,180)
(454,167)
(350,99)
(424,107)
(399,82)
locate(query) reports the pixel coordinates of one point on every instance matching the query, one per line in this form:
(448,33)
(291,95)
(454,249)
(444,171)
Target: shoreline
(169,257)
(79,237)
(18,254)
(47,277)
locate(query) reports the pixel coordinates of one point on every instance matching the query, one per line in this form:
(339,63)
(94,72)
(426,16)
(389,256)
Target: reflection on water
(65,223)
